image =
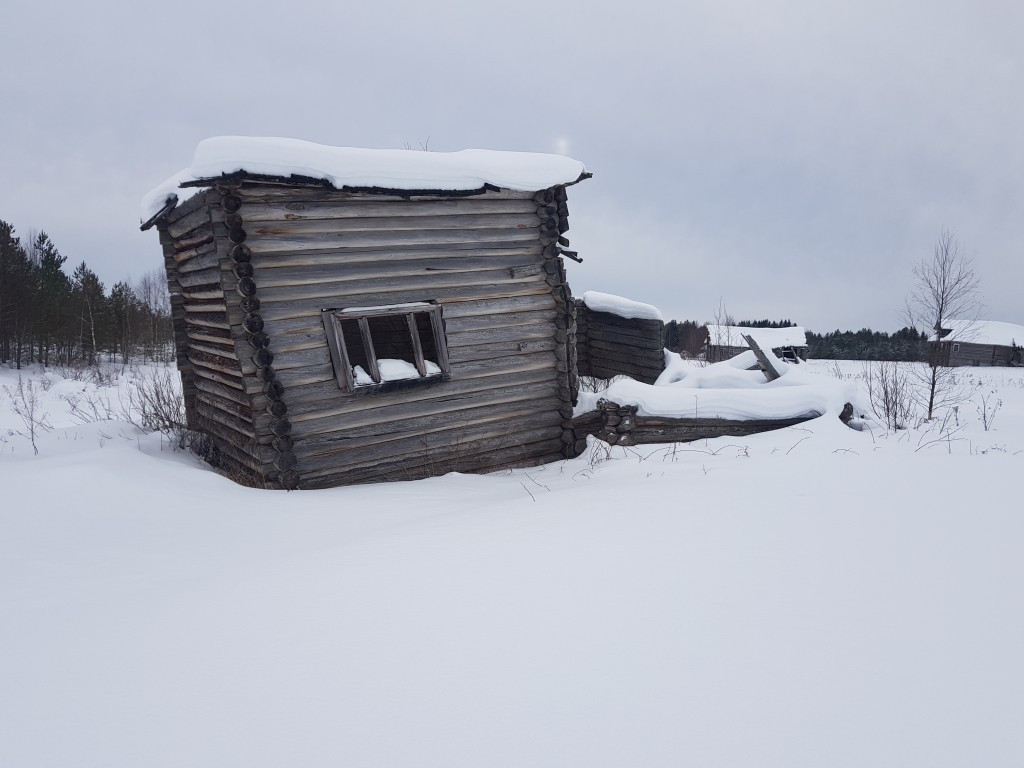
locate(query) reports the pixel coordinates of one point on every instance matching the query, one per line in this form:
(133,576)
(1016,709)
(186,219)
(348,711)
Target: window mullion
(371,355)
(417,347)
(439,339)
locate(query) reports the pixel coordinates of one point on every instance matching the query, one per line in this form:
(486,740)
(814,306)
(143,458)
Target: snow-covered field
(814,596)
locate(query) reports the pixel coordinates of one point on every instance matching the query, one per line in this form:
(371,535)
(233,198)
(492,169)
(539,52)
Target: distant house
(985,342)
(726,341)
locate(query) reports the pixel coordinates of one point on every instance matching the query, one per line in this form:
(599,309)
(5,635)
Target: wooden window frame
(343,368)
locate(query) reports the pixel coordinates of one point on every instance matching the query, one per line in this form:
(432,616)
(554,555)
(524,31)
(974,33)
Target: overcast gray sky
(789,158)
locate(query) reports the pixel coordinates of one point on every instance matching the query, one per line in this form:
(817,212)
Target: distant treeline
(906,344)
(50,317)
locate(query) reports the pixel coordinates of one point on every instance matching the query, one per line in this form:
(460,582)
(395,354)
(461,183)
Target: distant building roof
(773,338)
(986,332)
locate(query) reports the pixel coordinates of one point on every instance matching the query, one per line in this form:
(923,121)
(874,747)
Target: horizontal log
(203,293)
(206,259)
(224,392)
(469,238)
(500,432)
(467,377)
(310,424)
(220,378)
(414,435)
(335,292)
(442,463)
(278,194)
(203,307)
(293,308)
(633,341)
(240,433)
(258,212)
(183,260)
(514,266)
(499,349)
(647,357)
(210,320)
(391,224)
(208,276)
(229,406)
(496,306)
(188,223)
(289,359)
(295,377)
(506,334)
(506,320)
(271,260)
(606,372)
(195,240)
(210,335)
(607,318)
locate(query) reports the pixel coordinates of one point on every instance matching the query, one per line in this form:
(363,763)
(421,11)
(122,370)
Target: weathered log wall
(213,383)
(255,265)
(608,345)
(967,353)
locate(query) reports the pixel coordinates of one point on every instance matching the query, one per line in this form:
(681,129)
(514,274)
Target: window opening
(371,346)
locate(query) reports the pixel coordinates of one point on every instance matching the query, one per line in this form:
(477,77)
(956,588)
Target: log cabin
(350,315)
(982,342)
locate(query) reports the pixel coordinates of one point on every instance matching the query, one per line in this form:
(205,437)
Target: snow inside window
(371,346)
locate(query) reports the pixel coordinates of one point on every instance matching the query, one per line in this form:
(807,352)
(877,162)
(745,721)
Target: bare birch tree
(945,295)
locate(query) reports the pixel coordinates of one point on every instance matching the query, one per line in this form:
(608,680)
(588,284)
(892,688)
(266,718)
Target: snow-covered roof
(987,332)
(616,305)
(398,169)
(771,338)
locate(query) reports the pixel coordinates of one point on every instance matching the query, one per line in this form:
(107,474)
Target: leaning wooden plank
(767,362)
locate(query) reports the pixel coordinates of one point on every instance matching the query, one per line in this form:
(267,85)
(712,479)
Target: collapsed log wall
(608,345)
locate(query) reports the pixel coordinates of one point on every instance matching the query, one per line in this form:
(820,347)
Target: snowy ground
(810,597)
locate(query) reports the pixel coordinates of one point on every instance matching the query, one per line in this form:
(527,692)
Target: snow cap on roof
(617,305)
(397,169)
